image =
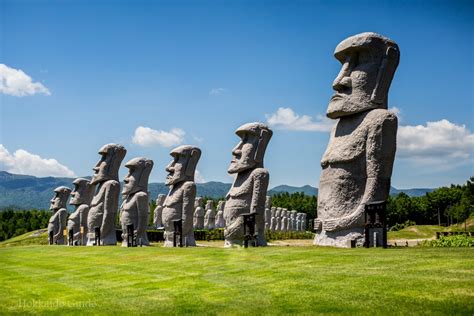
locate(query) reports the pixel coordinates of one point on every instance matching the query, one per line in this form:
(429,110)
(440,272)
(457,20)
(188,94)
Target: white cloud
(286,118)
(15,82)
(198,178)
(23,162)
(146,137)
(217,91)
(435,142)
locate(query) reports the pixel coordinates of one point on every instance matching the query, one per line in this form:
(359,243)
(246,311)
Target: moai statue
(135,209)
(210,216)
(179,204)
(268,212)
(249,190)
(273,222)
(284,220)
(81,197)
(104,205)
(278,219)
(220,222)
(293,220)
(357,164)
(198,220)
(157,213)
(57,222)
(299,217)
(303,222)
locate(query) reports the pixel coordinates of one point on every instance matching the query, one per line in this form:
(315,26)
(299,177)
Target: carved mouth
(337,96)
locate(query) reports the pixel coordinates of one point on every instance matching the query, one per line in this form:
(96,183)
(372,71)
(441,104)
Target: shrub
(450,241)
(400,226)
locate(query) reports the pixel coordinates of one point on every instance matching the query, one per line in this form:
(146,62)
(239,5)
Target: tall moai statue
(220,222)
(268,212)
(179,203)
(157,213)
(58,221)
(303,221)
(278,218)
(210,216)
(198,220)
(81,198)
(249,190)
(357,164)
(104,205)
(135,209)
(273,221)
(284,220)
(293,220)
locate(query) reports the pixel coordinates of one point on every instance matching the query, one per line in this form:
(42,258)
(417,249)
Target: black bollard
(249,229)
(50,237)
(131,241)
(97,235)
(71,238)
(178,230)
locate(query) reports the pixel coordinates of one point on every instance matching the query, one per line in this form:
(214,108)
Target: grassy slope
(105,280)
(428,231)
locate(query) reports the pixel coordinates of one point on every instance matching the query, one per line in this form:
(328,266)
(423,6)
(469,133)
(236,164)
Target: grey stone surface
(158,212)
(198,221)
(104,204)
(220,222)
(210,216)
(58,221)
(273,221)
(278,219)
(179,203)
(357,164)
(81,198)
(268,212)
(292,220)
(284,220)
(135,209)
(249,190)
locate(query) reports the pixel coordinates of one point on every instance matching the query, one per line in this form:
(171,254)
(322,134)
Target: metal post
(130,234)
(51,237)
(71,237)
(97,235)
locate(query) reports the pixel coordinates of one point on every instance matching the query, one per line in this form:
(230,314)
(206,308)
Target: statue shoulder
(381,116)
(189,185)
(260,173)
(111,185)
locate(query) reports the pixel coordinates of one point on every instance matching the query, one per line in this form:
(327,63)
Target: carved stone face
(61,194)
(107,167)
(368,63)
(243,154)
(82,193)
(183,165)
(198,202)
(176,170)
(161,199)
(138,173)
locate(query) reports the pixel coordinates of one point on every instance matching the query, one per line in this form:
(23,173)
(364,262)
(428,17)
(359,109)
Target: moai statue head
(268,202)
(278,212)
(160,199)
(108,166)
(369,61)
(220,205)
(60,198)
(249,152)
(136,180)
(198,202)
(273,210)
(183,165)
(82,193)
(209,205)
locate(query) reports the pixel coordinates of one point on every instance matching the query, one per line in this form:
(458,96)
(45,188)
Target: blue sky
(154,74)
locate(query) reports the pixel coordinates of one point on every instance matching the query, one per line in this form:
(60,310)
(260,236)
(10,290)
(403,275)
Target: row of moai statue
(280,219)
(96,201)
(203,218)
(356,166)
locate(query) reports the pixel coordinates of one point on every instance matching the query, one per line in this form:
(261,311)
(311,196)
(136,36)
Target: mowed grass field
(207,280)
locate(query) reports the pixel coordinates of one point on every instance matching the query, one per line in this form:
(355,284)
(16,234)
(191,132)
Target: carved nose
(341,84)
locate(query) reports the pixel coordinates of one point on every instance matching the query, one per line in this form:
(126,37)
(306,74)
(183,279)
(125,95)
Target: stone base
(348,238)
(341,238)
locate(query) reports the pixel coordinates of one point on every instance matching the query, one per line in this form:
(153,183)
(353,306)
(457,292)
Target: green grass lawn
(114,280)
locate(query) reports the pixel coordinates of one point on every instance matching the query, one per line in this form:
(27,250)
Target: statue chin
(344,106)
(239,167)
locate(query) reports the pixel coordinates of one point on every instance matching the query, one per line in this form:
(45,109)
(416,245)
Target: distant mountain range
(25,192)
